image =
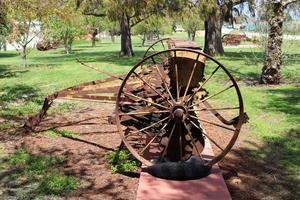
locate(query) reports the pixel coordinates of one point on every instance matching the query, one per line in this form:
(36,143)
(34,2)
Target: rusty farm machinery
(164,104)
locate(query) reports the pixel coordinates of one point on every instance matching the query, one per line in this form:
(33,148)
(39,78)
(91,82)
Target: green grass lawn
(274,111)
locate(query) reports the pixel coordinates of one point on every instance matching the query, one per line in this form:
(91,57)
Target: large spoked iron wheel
(159,45)
(169,98)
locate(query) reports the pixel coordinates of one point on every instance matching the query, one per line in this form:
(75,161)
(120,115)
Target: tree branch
(139,20)
(237,2)
(289,2)
(94,14)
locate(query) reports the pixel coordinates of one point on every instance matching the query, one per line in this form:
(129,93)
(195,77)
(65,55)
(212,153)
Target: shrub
(56,184)
(122,161)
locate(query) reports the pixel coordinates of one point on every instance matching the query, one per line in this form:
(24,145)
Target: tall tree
(152,27)
(128,12)
(215,12)
(271,72)
(92,25)
(191,20)
(24,17)
(4,24)
(64,24)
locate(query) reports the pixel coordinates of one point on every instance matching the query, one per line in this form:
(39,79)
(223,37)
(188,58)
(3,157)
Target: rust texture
(158,103)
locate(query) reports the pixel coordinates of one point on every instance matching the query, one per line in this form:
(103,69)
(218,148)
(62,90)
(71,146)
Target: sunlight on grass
(274,111)
(35,176)
(61,133)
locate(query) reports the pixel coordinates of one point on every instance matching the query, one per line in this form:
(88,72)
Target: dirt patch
(85,153)
(246,176)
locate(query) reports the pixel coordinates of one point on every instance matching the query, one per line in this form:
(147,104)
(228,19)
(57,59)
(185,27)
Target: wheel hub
(178,112)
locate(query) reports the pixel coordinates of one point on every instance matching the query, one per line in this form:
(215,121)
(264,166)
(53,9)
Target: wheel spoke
(163,44)
(144,113)
(220,92)
(149,85)
(201,86)
(150,126)
(212,123)
(210,139)
(180,141)
(177,79)
(146,100)
(209,109)
(193,141)
(166,147)
(190,79)
(154,62)
(154,138)
(164,83)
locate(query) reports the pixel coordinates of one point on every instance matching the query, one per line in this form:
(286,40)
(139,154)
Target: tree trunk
(273,59)
(24,55)
(144,39)
(112,36)
(126,45)
(189,35)
(193,34)
(94,34)
(213,34)
(66,43)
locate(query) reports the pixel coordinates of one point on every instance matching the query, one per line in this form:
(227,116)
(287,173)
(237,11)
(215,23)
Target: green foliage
(153,26)
(122,161)
(191,20)
(64,24)
(37,175)
(20,157)
(57,184)
(61,133)
(32,164)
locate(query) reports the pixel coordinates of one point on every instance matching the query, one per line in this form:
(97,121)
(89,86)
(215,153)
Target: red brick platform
(212,187)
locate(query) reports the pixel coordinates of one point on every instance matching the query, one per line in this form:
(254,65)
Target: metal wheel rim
(240,117)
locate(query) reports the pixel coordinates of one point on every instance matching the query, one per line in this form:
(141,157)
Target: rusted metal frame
(219,116)
(36,119)
(145,55)
(234,137)
(164,83)
(65,93)
(91,97)
(90,83)
(212,123)
(166,147)
(192,139)
(190,78)
(220,92)
(99,70)
(177,79)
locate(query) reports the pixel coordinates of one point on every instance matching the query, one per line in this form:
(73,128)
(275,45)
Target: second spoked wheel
(168,102)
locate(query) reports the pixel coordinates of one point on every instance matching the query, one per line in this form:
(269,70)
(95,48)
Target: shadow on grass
(7,72)
(265,170)
(19,93)
(8,54)
(285,100)
(111,57)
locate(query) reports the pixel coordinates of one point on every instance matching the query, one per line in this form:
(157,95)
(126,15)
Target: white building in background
(34,33)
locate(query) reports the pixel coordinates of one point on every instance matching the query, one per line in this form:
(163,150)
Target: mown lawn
(274,111)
